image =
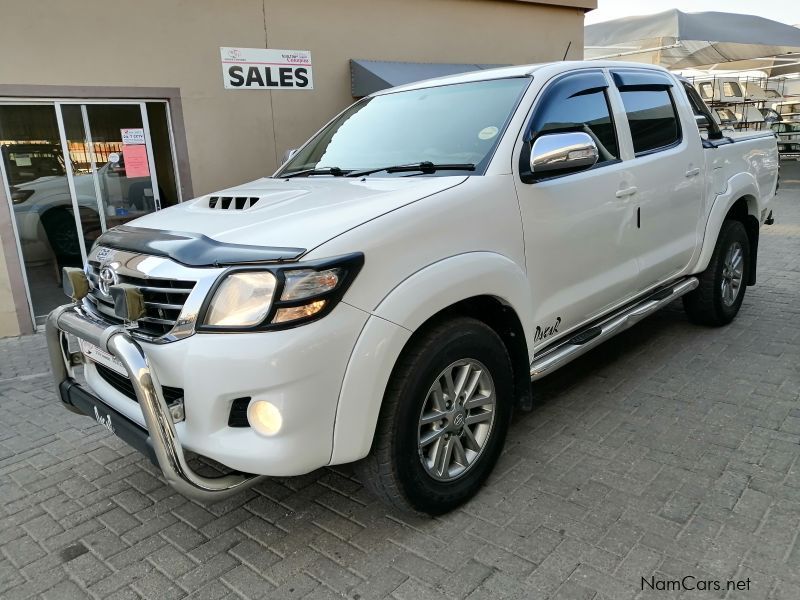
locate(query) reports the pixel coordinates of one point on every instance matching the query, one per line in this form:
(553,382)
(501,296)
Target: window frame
(529,135)
(645,80)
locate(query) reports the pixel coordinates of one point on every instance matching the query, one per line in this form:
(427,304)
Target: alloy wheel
(456,419)
(732,274)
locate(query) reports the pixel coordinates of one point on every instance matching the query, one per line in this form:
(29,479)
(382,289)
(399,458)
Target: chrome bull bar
(70,318)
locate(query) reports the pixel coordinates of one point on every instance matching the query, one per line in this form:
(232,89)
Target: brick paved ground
(671,451)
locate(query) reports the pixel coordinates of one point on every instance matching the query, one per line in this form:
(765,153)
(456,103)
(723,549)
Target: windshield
(450,124)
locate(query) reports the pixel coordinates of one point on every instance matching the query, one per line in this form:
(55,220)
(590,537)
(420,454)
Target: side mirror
(560,153)
(289,154)
(702,121)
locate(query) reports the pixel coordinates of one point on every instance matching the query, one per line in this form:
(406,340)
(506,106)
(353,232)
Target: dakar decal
(543,334)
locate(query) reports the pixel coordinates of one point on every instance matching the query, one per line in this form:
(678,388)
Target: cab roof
(548,69)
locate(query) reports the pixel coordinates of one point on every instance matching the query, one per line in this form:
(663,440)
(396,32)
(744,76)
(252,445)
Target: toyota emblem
(106,278)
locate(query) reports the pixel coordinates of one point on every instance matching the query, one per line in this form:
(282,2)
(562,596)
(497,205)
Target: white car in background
(44,211)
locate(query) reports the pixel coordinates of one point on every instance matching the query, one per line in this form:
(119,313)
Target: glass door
(35,182)
(74,169)
(122,157)
(80,179)
(112,163)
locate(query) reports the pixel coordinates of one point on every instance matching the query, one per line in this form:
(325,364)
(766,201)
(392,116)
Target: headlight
(257,298)
(305,283)
(242,300)
(19,196)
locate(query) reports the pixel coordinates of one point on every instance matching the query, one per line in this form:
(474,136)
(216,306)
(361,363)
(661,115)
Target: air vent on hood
(232,202)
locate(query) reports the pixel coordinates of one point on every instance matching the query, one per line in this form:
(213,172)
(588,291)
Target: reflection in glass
(90,218)
(37,181)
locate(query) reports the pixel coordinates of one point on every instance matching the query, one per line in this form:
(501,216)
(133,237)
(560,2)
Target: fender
(411,303)
(740,185)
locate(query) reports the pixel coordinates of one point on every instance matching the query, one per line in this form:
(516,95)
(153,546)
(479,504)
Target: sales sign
(260,69)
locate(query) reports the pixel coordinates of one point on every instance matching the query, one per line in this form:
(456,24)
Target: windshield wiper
(425,166)
(335,171)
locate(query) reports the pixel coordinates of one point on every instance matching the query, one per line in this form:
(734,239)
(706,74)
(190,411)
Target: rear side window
(652,118)
(584,110)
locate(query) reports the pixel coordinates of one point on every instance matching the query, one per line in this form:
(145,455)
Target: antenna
(567,50)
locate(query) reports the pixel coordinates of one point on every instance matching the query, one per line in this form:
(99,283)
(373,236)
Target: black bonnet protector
(193,249)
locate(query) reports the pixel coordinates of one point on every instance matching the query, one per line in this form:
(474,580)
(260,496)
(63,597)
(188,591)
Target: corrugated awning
(367,76)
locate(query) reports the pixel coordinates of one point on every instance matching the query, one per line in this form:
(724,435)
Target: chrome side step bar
(160,426)
(580,344)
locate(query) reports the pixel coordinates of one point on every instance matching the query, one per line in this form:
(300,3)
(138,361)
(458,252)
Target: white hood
(298,212)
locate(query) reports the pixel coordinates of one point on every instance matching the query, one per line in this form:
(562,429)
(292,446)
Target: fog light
(264,417)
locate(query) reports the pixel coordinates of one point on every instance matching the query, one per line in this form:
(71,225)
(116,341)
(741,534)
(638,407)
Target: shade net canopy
(680,40)
(785,64)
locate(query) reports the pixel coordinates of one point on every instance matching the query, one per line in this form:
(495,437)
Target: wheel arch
(68,209)
(47,218)
(505,322)
(87,215)
(483,285)
(739,203)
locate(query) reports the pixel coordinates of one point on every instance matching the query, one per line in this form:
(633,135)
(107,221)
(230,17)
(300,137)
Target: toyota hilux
(389,295)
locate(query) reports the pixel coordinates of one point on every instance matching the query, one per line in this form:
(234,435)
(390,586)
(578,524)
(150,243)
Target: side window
(652,118)
(571,105)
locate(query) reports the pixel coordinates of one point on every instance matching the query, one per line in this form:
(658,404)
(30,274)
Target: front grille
(124,386)
(163,299)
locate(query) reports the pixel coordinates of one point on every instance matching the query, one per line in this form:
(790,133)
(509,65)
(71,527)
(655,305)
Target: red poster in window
(135,158)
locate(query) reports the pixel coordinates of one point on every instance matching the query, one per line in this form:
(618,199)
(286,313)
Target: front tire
(716,301)
(443,420)
(62,234)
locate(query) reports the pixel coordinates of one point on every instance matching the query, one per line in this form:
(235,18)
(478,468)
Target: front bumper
(160,441)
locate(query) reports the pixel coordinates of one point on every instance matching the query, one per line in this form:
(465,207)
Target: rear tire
(716,301)
(423,459)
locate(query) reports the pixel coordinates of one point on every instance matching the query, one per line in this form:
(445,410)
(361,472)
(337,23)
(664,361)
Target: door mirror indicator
(561,153)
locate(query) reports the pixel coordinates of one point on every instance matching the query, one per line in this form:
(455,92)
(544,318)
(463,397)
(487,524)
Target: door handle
(693,172)
(627,192)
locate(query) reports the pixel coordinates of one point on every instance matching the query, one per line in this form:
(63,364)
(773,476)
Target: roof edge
(584,5)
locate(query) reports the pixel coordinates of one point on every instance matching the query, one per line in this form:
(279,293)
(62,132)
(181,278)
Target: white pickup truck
(387,297)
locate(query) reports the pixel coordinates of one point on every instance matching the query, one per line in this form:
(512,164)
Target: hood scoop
(232,202)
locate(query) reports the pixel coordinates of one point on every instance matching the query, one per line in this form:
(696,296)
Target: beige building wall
(238,135)
(9,324)
(452,31)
